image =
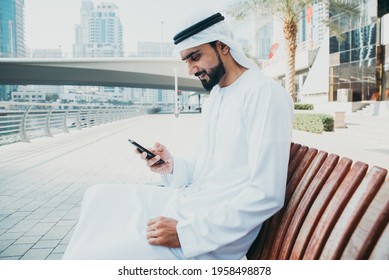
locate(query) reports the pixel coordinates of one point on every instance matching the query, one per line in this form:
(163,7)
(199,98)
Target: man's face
(204,62)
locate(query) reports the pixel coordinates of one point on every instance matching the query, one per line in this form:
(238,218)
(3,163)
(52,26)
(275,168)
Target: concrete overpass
(155,73)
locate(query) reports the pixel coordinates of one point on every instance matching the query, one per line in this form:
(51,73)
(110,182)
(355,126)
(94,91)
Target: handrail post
(65,118)
(78,122)
(88,124)
(23,126)
(47,126)
(110,115)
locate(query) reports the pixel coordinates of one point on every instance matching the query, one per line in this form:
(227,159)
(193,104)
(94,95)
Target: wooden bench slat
(294,147)
(334,210)
(294,191)
(381,249)
(306,202)
(353,213)
(294,163)
(318,207)
(299,173)
(370,227)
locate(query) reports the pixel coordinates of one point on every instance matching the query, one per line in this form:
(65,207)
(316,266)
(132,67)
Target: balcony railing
(22,121)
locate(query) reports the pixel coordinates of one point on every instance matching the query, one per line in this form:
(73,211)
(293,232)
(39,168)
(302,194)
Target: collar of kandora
(198,27)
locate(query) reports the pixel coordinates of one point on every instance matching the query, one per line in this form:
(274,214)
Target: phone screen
(143,149)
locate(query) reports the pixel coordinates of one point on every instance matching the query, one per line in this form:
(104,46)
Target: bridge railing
(22,121)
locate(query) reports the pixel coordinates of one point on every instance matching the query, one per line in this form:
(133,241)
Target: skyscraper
(12,28)
(11,35)
(100,32)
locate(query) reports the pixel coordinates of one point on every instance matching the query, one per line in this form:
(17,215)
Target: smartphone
(143,149)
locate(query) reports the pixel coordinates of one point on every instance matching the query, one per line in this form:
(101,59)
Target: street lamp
(161,38)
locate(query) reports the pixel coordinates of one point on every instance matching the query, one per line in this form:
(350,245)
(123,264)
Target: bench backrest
(333,209)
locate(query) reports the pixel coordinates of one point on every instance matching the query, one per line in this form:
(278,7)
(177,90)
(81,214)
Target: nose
(192,68)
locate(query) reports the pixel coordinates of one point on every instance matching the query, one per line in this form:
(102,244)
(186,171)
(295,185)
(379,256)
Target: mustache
(199,73)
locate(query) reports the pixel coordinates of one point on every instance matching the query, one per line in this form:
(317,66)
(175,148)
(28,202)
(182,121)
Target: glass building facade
(100,33)
(12,28)
(11,36)
(355,55)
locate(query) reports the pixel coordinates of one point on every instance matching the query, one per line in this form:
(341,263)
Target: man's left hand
(162,231)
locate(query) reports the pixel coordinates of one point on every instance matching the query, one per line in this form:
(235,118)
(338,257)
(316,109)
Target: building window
(334,44)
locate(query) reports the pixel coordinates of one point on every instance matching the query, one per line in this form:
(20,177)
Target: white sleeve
(182,173)
(268,124)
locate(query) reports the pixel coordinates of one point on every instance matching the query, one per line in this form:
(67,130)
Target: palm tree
(290,12)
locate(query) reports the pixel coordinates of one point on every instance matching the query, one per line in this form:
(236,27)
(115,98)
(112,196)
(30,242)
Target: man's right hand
(161,153)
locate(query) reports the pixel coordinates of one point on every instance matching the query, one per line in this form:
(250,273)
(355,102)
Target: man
(215,202)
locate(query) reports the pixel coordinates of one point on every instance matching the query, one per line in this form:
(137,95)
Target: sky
(51,23)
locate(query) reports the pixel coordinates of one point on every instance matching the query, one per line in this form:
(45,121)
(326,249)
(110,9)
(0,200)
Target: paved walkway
(366,139)
(42,182)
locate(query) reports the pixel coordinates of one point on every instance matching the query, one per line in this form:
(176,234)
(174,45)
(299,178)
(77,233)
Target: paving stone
(4,244)
(28,239)
(11,235)
(60,249)
(31,206)
(54,257)
(43,210)
(74,213)
(68,236)
(57,232)
(23,226)
(39,213)
(3,216)
(54,220)
(6,211)
(67,222)
(35,216)
(10,221)
(10,258)
(37,254)
(64,206)
(40,229)
(46,244)
(57,213)
(16,250)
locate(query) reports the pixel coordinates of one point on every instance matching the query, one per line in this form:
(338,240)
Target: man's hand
(161,153)
(162,231)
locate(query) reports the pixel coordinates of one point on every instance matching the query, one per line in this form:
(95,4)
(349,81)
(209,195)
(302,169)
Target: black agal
(196,28)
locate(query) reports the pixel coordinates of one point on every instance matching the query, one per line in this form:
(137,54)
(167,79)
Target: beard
(215,75)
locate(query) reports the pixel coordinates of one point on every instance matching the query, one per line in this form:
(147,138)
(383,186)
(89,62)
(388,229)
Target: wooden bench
(333,210)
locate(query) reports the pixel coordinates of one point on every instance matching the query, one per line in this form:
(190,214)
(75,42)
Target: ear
(224,48)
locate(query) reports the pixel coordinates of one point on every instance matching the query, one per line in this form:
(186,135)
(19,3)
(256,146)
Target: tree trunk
(290,33)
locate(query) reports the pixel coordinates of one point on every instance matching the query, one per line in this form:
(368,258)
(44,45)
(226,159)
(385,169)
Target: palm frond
(348,8)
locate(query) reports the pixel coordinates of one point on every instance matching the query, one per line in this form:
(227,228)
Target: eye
(195,57)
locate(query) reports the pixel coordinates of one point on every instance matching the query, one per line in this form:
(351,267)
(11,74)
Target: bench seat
(334,209)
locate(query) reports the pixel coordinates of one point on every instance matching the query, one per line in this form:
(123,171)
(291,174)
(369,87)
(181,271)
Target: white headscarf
(217,32)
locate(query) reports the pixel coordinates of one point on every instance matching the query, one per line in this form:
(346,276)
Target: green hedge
(302,106)
(316,123)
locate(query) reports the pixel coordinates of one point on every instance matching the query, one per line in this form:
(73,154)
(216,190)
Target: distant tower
(12,28)
(100,32)
(11,36)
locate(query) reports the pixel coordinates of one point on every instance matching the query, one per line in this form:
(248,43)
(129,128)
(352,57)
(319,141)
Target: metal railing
(22,121)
